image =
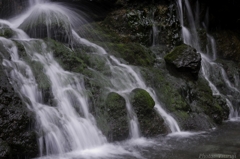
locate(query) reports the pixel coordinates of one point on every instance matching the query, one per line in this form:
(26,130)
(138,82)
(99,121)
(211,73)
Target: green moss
(6,32)
(133,53)
(70,60)
(97,32)
(150,122)
(114,103)
(175,53)
(142,101)
(168,88)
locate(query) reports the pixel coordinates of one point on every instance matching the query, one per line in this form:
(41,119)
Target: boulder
(184,58)
(150,122)
(47,23)
(117,117)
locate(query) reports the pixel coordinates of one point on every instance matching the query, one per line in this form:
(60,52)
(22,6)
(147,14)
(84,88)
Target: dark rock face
(185,59)
(17,139)
(149,121)
(118,118)
(9,8)
(134,23)
(228,45)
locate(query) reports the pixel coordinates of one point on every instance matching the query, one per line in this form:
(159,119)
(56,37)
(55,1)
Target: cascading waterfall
(60,126)
(65,123)
(190,37)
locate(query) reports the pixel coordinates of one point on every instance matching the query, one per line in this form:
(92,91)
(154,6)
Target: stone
(150,122)
(184,58)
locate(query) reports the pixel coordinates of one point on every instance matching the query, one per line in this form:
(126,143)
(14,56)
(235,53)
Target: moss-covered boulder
(149,121)
(117,117)
(184,58)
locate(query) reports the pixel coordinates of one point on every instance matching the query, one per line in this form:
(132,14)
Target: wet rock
(184,58)
(18,140)
(149,121)
(117,117)
(198,122)
(51,24)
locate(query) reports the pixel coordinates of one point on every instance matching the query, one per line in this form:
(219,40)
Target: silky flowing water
(67,129)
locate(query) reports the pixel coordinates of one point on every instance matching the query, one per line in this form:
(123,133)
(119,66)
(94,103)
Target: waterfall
(209,66)
(64,122)
(60,126)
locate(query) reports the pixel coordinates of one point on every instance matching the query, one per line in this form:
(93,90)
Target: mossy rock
(185,59)
(150,122)
(6,32)
(186,99)
(117,117)
(168,88)
(142,102)
(203,101)
(70,60)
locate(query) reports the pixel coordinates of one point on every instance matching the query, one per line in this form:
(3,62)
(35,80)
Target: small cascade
(155,34)
(66,124)
(209,67)
(211,49)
